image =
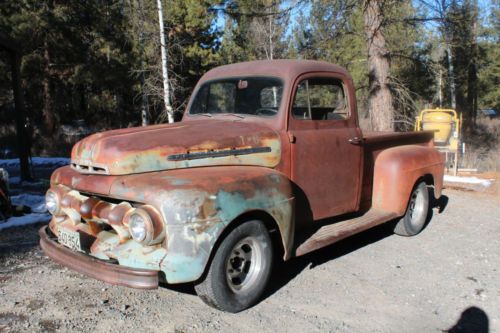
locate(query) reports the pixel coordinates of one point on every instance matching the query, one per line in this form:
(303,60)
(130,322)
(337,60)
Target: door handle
(356,140)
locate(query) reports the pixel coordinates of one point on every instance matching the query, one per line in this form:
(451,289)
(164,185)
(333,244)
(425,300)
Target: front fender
(198,204)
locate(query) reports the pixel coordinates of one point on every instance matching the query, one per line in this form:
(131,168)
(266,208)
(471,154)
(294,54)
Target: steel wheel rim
(416,209)
(244,264)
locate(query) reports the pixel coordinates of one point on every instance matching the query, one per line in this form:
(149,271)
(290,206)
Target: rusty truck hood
(180,145)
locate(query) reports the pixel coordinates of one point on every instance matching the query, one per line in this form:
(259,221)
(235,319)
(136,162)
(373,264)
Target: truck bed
(376,142)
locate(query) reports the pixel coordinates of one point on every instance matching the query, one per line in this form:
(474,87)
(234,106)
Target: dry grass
(482,147)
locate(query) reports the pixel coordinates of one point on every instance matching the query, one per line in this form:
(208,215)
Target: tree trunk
(144,99)
(472,77)
(451,77)
(380,106)
(23,135)
(166,86)
(48,105)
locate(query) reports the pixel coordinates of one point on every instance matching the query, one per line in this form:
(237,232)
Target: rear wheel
(240,269)
(416,214)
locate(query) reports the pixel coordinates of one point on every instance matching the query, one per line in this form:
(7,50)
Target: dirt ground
(445,279)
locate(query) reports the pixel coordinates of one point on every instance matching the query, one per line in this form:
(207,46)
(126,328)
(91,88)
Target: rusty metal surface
(401,138)
(325,165)
(398,169)
(161,147)
(377,142)
(197,204)
(286,70)
(110,273)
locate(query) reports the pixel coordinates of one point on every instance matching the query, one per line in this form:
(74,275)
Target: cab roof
(286,69)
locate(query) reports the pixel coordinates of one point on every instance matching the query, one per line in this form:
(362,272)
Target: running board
(334,232)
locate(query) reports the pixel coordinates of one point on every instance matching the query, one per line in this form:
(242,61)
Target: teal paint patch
(189,248)
(180,268)
(191,244)
(136,255)
(232,205)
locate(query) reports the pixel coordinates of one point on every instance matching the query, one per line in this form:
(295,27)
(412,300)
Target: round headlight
(52,202)
(145,225)
(138,227)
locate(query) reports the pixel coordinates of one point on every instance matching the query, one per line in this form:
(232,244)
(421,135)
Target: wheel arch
(428,179)
(272,226)
(270,223)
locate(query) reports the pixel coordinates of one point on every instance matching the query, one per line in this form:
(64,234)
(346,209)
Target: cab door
(325,153)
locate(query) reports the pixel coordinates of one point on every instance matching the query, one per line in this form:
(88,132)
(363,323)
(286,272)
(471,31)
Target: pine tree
(254,30)
(489,62)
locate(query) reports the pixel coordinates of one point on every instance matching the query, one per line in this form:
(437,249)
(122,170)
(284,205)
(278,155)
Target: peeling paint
(195,212)
(140,150)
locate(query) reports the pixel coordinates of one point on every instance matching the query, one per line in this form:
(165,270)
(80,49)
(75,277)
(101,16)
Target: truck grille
(92,169)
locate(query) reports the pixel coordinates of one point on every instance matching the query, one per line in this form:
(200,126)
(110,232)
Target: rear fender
(398,169)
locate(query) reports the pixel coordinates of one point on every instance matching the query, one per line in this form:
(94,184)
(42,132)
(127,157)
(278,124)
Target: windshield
(258,96)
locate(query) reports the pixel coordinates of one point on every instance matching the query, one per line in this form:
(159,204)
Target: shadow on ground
(472,320)
(284,272)
(19,240)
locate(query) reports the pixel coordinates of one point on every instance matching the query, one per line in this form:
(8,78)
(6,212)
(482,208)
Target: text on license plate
(70,239)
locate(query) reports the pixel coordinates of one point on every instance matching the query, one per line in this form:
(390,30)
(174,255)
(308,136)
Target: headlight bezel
(154,231)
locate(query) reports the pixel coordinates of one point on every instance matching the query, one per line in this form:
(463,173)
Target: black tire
(416,213)
(240,269)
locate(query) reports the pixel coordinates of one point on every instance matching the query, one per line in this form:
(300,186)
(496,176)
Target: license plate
(70,239)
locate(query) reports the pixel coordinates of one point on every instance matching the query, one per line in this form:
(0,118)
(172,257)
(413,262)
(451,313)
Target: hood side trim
(218,153)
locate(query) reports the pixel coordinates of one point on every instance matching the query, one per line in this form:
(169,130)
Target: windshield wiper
(204,114)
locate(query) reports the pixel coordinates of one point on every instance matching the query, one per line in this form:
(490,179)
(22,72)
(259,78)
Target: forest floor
(447,278)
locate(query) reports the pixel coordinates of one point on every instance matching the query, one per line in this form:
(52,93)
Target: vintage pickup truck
(268,160)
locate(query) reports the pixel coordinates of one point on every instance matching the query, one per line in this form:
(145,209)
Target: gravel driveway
(446,278)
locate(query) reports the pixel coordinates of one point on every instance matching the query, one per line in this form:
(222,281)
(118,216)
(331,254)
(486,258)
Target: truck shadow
(284,272)
(438,205)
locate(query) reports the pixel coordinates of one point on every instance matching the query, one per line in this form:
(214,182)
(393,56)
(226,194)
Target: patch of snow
(468,180)
(37,161)
(14,180)
(35,201)
(17,221)
(38,209)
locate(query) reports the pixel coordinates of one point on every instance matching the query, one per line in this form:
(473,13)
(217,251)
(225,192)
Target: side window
(320,99)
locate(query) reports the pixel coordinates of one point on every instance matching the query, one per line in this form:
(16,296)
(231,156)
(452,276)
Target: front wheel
(240,269)
(416,214)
